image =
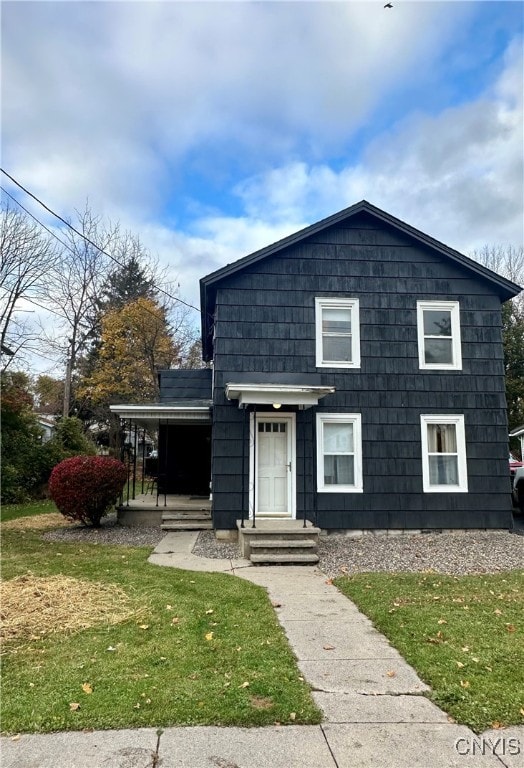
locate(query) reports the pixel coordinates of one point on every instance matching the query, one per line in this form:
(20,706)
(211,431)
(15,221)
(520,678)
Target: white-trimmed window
(337,333)
(339,452)
(444,465)
(438,325)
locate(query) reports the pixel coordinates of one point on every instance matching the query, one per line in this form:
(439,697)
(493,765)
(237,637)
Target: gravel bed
(108,533)
(453,553)
(207,546)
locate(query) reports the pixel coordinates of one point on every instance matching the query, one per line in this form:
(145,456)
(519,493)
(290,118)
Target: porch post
(244,417)
(304,466)
(135,446)
(254,465)
(314,463)
(143,457)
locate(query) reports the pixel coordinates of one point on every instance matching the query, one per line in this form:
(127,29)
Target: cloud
(457,175)
(111,101)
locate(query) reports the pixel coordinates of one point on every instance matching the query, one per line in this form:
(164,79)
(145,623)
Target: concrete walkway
(375,714)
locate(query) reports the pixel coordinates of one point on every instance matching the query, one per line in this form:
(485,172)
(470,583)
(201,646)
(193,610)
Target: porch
(167,511)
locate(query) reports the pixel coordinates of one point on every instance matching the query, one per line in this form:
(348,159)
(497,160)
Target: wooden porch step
(298,558)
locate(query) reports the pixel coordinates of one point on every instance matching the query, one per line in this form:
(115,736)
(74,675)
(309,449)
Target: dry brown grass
(37,522)
(33,607)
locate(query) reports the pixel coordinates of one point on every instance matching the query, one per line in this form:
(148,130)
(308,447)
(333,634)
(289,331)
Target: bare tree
(74,289)
(28,255)
(506,260)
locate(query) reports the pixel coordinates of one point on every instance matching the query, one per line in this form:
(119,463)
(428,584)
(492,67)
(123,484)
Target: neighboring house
(357,381)
(47,424)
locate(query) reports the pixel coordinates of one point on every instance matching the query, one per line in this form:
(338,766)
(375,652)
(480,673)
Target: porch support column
(135,448)
(314,493)
(304,466)
(254,465)
(244,421)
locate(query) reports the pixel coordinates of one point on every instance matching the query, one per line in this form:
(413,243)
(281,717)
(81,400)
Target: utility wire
(64,221)
(53,234)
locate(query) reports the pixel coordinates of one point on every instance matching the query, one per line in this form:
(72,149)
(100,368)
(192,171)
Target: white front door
(272,451)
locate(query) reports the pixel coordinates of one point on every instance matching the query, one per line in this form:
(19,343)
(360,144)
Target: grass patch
(175,647)
(463,635)
(16,511)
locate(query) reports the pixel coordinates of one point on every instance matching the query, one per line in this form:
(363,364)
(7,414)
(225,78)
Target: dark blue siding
(265,323)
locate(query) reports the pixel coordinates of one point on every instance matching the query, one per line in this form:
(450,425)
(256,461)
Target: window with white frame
(444,465)
(438,324)
(337,333)
(339,453)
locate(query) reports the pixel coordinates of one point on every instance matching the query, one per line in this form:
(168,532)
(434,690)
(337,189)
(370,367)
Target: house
(357,382)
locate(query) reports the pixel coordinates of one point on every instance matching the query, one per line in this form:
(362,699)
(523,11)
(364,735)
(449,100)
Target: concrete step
(283,543)
(187,525)
(185,515)
(296,558)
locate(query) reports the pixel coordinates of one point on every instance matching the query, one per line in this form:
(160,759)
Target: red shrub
(84,488)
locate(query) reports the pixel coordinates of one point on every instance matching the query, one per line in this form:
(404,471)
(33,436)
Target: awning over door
(304,396)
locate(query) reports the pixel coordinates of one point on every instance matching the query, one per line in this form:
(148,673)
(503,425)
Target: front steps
(187,520)
(279,542)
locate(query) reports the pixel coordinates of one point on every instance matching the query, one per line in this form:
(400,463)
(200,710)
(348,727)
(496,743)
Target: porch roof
(303,395)
(175,412)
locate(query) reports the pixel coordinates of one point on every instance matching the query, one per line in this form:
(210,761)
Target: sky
(212,129)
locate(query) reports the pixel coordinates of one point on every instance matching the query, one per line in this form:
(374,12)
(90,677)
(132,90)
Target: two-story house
(357,381)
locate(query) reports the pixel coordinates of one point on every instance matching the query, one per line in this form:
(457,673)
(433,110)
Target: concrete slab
(181,542)
(404,746)
(362,676)
(302,607)
(319,639)
(278,747)
(506,743)
(190,562)
(100,749)
(363,708)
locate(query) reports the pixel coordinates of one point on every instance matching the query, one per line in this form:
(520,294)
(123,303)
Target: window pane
(339,470)
(336,321)
(438,351)
(437,322)
(260,426)
(338,438)
(442,438)
(337,349)
(443,470)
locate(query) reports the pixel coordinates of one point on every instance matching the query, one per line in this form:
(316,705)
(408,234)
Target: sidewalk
(375,715)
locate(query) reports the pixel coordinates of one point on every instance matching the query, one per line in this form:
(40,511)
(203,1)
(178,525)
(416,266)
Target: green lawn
(194,649)
(463,635)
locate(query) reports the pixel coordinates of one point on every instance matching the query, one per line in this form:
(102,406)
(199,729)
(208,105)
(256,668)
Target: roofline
(506,288)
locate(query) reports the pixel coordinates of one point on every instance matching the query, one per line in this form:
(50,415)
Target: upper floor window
(438,324)
(444,465)
(337,333)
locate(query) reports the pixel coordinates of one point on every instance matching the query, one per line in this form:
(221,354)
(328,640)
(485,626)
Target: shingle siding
(265,321)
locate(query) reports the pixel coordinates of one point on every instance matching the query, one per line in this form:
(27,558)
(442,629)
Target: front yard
(463,634)
(137,645)
(96,637)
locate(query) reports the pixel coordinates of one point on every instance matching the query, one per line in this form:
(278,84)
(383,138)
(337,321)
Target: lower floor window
(444,466)
(339,452)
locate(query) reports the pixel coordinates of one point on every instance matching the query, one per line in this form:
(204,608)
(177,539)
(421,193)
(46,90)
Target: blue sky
(213,128)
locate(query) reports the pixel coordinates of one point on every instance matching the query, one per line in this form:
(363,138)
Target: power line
(53,234)
(64,221)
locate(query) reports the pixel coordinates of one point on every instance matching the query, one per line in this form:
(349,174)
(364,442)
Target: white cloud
(106,100)
(457,175)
